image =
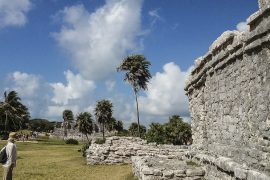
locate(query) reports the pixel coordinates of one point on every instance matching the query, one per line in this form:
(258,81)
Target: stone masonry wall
(229,95)
(121,149)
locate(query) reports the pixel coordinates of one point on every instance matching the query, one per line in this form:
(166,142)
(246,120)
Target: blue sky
(62,54)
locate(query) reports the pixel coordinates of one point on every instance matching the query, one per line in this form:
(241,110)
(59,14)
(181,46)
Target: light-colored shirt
(11,150)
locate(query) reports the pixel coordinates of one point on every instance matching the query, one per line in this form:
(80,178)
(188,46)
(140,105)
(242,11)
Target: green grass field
(56,160)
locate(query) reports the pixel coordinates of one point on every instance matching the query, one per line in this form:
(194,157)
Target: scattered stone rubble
(229,100)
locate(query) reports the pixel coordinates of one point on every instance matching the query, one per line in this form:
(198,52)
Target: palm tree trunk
(138,115)
(6,122)
(87,138)
(103,129)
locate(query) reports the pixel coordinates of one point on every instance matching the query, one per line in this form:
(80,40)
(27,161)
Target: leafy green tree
(103,113)
(68,119)
(110,126)
(156,133)
(119,126)
(114,125)
(137,75)
(84,123)
(133,130)
(13,114)
(177,131)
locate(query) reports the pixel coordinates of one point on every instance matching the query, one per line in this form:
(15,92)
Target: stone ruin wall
(117,150)
(229,95)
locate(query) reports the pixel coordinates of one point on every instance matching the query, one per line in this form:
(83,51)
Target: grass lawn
(56,160)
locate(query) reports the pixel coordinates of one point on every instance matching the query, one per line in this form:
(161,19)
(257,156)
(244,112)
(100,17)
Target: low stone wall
(163,168)
(121,149)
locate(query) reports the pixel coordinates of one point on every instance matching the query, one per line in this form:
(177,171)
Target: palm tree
(14,115)
(84,123)
(137,75)
(103,113)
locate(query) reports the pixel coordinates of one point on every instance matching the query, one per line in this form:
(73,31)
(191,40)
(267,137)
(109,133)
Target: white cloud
(25,84)
(13,12)
(32,91)
(242,26)
(56,111)
(97,42)
(124,108)
(110,84)
(155,16)
(165,95)
(76,88)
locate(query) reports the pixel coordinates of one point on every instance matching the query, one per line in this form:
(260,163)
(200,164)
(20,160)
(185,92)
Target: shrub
(100,141)
(84,148)
(72,141)
(124,132)
(192,163)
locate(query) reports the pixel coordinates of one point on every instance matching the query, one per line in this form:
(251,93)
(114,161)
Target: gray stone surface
(121,149)
(162,168)
(229,97)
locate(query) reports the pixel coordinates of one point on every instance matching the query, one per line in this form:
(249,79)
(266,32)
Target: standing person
(11,157)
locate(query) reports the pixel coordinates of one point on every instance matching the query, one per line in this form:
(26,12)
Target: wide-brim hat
(12,136)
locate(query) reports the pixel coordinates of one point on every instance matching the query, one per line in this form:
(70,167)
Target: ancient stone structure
(71,134)
(229,95)
(229,98)
(121,149)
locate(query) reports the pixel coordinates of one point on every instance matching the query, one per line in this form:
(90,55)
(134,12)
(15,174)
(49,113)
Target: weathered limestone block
(263,3)
(162,168)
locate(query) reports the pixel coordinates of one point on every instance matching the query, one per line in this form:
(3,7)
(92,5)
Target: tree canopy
(103,113)
(84,123)
(137,75)
(176,132)
(14,115)
(133,130)
(41,125)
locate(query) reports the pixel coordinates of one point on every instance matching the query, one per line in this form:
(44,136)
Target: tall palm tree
(14,115)
(103,113)
(84,123)
(137,75)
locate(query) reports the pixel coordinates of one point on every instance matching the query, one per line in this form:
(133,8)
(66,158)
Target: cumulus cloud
(242,26)
(13,12)
(165,95)
(55,111)
(31,90)
(98,41)
(25,84)
(77,87)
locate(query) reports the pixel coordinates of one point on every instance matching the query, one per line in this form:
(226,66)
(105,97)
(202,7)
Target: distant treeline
(43,125)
